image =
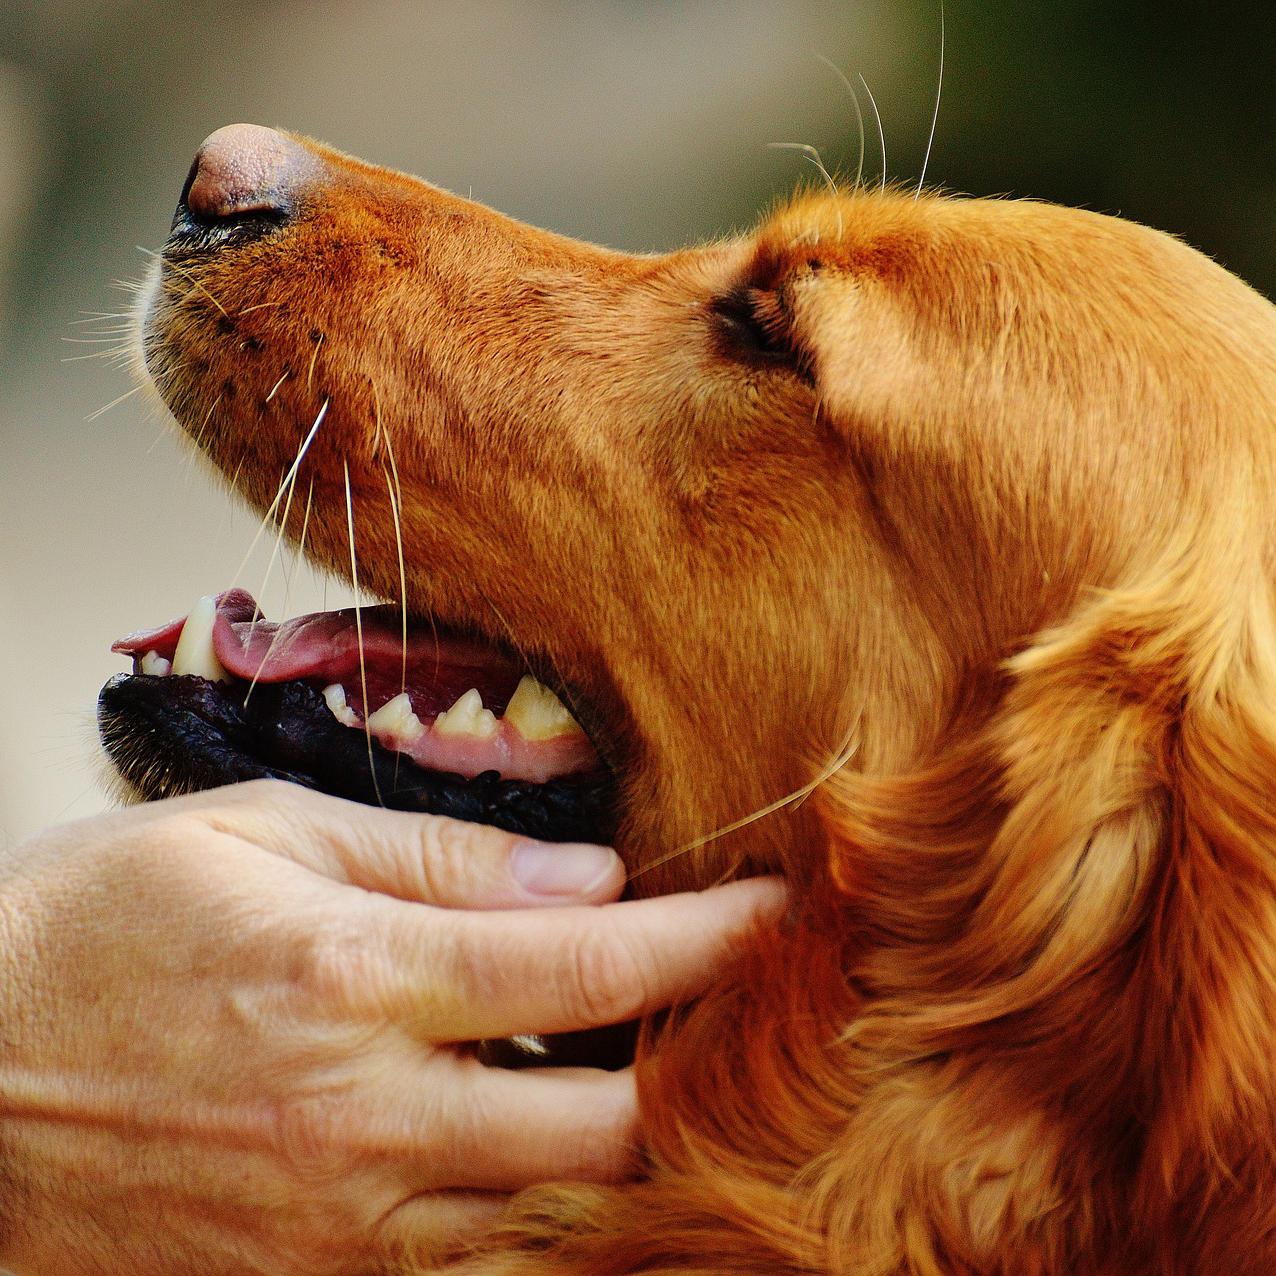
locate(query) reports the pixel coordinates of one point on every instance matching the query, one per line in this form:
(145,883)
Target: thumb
(427,859)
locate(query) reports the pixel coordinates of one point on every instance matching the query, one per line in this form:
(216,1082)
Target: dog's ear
(1085,886)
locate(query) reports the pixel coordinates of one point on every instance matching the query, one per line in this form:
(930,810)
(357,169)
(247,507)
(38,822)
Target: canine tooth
(467,717)
(395,718)
(195,654)
(155,665)
(335,697)
(538,713)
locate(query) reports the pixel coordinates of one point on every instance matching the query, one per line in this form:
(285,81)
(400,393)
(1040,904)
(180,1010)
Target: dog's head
(744,505)
(961,507)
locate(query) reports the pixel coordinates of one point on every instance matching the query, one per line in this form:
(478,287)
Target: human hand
(230,1027)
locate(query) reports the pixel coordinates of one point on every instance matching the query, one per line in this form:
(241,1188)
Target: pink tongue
(324,646)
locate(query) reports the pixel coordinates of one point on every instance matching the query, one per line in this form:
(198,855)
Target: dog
(917,548)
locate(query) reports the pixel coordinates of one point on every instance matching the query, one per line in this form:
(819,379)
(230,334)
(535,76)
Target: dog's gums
(975,493)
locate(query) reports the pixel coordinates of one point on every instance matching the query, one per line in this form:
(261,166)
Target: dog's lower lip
(181,734)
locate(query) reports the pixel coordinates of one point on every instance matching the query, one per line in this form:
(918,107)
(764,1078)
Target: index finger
(462,976)
(426,858)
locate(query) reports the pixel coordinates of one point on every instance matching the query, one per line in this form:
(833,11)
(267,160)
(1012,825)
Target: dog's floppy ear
(1083,890)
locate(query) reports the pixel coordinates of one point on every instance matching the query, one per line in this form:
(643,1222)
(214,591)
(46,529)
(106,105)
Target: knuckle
(311,1134)
(444,857)
(607,978)
(464,1132)
(601,1150)
(452,855)
(271,804)
(335,965)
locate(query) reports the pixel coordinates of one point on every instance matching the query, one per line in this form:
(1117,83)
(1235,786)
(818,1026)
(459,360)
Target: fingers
(424,1231)
(464,976)
(424,858)
(485,1132)
(445,1121)
(501,1130)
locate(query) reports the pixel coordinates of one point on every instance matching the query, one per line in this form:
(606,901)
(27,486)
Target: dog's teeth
(538,713)
(467,717)
(395,718)
(195,654)
(335,696)
(155,665)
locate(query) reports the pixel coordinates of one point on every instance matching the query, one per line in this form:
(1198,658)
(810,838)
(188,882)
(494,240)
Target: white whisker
(859,114)
(812,156)
(274,505)
(358,625)
(843,756)
(403,601)
(203,425)
(939,93)
(881,132)
(403,581)
(265,582)
(298,556)
(314,358)
(395,490)
(115,353)
(128,394)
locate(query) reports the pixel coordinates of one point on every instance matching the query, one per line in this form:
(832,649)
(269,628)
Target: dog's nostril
(245,169)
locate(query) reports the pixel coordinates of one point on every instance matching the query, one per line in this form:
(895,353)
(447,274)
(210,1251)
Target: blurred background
(638,123)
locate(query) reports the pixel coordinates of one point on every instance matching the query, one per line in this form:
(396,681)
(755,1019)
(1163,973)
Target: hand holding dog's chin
(230,1030)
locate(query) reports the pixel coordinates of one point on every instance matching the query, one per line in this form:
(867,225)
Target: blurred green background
(640,124)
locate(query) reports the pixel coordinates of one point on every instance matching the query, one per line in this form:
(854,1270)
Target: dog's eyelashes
(753,325)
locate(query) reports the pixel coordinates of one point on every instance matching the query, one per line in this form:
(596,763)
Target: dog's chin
(170,730)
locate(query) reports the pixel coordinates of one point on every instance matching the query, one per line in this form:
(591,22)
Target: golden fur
(997,497)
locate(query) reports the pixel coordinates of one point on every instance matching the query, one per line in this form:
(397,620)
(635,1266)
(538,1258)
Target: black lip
(191,234)
(184,734)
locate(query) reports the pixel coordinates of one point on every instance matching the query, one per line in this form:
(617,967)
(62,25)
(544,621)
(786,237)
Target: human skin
(231,1029)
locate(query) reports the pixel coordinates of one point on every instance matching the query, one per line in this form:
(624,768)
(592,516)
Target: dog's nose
(245,169)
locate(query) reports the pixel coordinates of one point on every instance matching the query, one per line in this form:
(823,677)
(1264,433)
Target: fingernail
(570,868)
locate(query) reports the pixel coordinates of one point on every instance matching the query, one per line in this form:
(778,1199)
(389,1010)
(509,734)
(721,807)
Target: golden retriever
(955,515)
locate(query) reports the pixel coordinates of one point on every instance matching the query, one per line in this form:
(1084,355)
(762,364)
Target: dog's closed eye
(754,325)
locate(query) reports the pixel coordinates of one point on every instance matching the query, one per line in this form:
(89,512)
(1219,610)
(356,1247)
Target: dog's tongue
(325,646)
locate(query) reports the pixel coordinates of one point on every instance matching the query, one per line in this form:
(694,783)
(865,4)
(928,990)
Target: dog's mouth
(361,704)
(357,703)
